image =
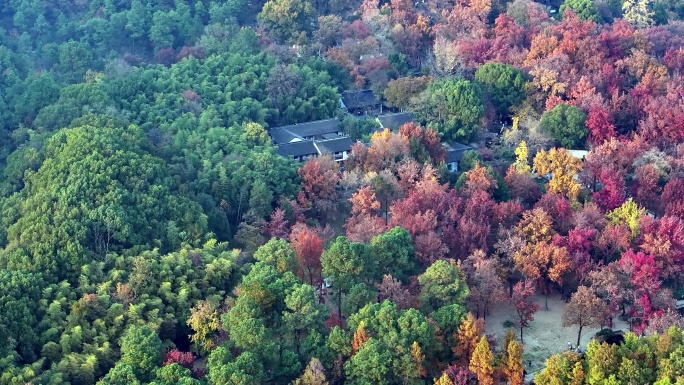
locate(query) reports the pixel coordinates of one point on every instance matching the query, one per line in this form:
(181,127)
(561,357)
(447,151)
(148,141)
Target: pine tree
(510,336)
(513,364)
(360,338)
(481,363)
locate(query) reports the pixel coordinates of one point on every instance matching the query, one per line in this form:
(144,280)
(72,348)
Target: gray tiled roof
(455,152)
(393,121)
(335,145)
(285,134)
(302,148)
(359,99)
(282,136)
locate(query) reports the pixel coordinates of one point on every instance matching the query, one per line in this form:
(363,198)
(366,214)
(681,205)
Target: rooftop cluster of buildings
(311,139)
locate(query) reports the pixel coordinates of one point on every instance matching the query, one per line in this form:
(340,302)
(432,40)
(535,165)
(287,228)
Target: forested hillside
(152,232)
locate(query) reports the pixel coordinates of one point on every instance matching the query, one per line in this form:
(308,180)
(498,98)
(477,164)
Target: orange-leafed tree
(544,263)
(308,247)
(422,142)
(399,92)
(486,286)
(535,227)
(393,290)
(319,185)
(647,188)
(360,338)
(386,150)
(364,222)
(205,322)
(467,337)
(277,226)
(481,363)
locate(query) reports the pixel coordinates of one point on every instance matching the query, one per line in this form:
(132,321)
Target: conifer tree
(467,337)
(444,380)
(360,338)
(481,363)
(577,376)
(513,364)
(418,358)
(510,336)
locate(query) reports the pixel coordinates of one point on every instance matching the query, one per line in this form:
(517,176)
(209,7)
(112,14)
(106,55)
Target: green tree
(40,92)
(121,374)
(277,253)
(358,296)
(392,253)
(74,59)
(138,19)
(141,348)
(454,107)
(503,84)
(19,313)
(442,284)
(99,190)
(344,264)
(287,19)
(565,124)
(660,14)
(370,365)
(393,333)
(244,370)
(162,29)
(277,320)
(584,9)
(602,362)
(304,320)
(174,374)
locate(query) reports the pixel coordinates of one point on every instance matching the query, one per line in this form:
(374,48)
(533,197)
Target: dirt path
(546,335)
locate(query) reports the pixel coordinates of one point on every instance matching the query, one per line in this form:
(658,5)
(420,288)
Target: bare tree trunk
(579,336)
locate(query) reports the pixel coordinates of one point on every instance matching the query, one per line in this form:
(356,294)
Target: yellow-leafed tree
(444,380)
(481,363)
(204,321)
(563,168)
(513,363)
(467,337)
(522,164)
(418,358)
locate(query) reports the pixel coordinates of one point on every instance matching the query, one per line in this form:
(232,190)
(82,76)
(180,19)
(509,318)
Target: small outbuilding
(454,154)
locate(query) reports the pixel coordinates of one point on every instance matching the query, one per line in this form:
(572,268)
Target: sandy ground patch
(546,335)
